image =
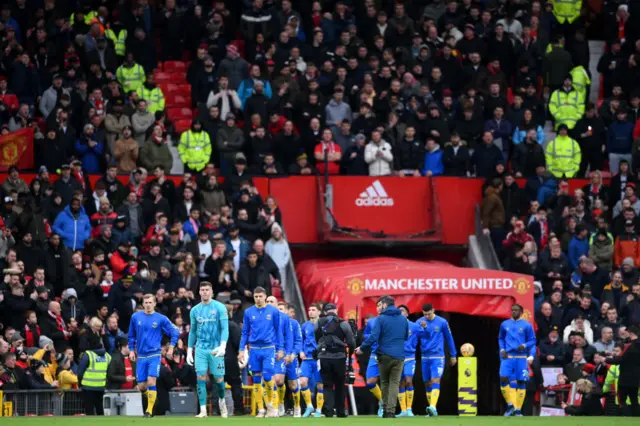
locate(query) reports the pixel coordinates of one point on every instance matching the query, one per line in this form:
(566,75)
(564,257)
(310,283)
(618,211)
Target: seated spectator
(552,349)
(573,370)
(580,325)
(606,342)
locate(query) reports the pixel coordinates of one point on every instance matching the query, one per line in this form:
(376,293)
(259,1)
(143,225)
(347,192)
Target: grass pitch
(289,421)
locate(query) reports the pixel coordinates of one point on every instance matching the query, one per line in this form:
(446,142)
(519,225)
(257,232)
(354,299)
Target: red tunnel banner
(359,283)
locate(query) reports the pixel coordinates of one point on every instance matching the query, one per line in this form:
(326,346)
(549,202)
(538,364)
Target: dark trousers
(631,392)
(235,381)
(390,373)
(333,373)
(93,402)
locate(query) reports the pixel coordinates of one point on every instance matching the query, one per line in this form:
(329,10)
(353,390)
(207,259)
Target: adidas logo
(375,195)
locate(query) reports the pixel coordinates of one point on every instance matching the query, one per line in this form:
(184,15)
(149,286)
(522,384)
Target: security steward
(335,341)
(563,154)
(92,371)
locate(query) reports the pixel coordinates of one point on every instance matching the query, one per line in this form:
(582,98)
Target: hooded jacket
(156,153)
(126,154)
(602,253)
(74,230)
(389,332)
(492,209)
(379,166)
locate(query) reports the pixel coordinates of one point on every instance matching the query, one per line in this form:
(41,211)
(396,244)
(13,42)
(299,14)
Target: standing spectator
(629,378)
(528,156)
(90,149)
(433,165)
(566,105)
(486,156)
(378,154)
(155,151)
(142,120)
(619,140)
(601,250)
(563,154)
(627,246)
(278,249)
(233,67)
(121,371)
(492,213)
(73,225)
(195,148)
(579,246)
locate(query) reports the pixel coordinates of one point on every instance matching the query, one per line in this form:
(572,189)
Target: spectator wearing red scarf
(53,326)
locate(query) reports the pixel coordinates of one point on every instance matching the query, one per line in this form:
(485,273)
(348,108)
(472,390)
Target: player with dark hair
(209,334)
(405,395)
(261,332)
(517,342)
(309,368)
(435,331)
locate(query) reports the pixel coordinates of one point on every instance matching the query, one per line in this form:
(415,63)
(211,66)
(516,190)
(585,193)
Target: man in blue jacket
(578,246)
(389,332)
(73,226)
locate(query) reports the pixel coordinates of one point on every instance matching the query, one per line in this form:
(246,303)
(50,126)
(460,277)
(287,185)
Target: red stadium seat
(163,77)
(169,88)
(173,66)
(175,114)
(159,66)
(179,77)
(182,125)
(177,100)
(185,89)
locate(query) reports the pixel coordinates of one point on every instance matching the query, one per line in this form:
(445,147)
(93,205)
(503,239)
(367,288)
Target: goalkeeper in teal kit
(209,334)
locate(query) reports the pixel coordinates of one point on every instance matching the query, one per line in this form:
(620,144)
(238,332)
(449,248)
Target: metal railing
(69,402)
(481,252)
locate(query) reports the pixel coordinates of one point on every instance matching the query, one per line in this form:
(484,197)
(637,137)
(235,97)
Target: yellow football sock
(258,395)
(282,391)
(271,394)
(402,398)
(151,400)
(376,392)
(296,398)
(306,395)
(519,400)
(319,399)
(409,399)
(506,393)
(435,394)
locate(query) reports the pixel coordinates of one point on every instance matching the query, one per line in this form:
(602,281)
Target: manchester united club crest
(526,315)
(355,286)
(522,285)
(351,315)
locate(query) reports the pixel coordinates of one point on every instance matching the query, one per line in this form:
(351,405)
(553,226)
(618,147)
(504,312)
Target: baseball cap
(329,306)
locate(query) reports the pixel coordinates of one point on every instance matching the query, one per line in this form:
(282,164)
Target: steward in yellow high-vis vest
(563,154)
(195,147)
(88,17)
(119,39)
(566,11)
(130,74)
(566,104)
(581,81)
(94,376)
(152,94)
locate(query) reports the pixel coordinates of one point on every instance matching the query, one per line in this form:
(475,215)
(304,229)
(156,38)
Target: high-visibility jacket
(154,98)
(131,78)
(119,40)
(581,81)
(563,156)
(566,10)
(95,376)
(566,107)
(611,382)
(87,18)
(195,149)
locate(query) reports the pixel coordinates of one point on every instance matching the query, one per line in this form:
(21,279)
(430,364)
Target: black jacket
(526,157)
(333,335)
(456,163)
(409,155)
(629,363)
(250,278)
(589,406)
(116,373)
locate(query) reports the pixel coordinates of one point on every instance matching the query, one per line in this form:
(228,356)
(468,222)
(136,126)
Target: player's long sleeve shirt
(287,332)
(434,335)
(410,345)
(513,334)
(261,328)
(367,331)
(209,325)
(309,344)
(145,333)
(296,334)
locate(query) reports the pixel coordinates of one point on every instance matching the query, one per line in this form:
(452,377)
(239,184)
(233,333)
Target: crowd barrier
(69,402)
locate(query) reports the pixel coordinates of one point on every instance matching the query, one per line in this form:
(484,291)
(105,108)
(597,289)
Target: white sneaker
(203,413)
(261,414)
(223,408)
(297,412)
(281,410)
(272,413)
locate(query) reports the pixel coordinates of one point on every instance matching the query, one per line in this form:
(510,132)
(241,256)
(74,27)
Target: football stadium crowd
(238,89)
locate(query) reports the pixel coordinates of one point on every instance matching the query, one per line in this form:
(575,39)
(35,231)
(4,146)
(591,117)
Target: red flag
(16,149)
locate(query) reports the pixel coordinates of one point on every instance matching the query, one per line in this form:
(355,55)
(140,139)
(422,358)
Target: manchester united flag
(16,149)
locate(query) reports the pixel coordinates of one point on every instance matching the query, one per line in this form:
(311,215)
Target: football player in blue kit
(405,395)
